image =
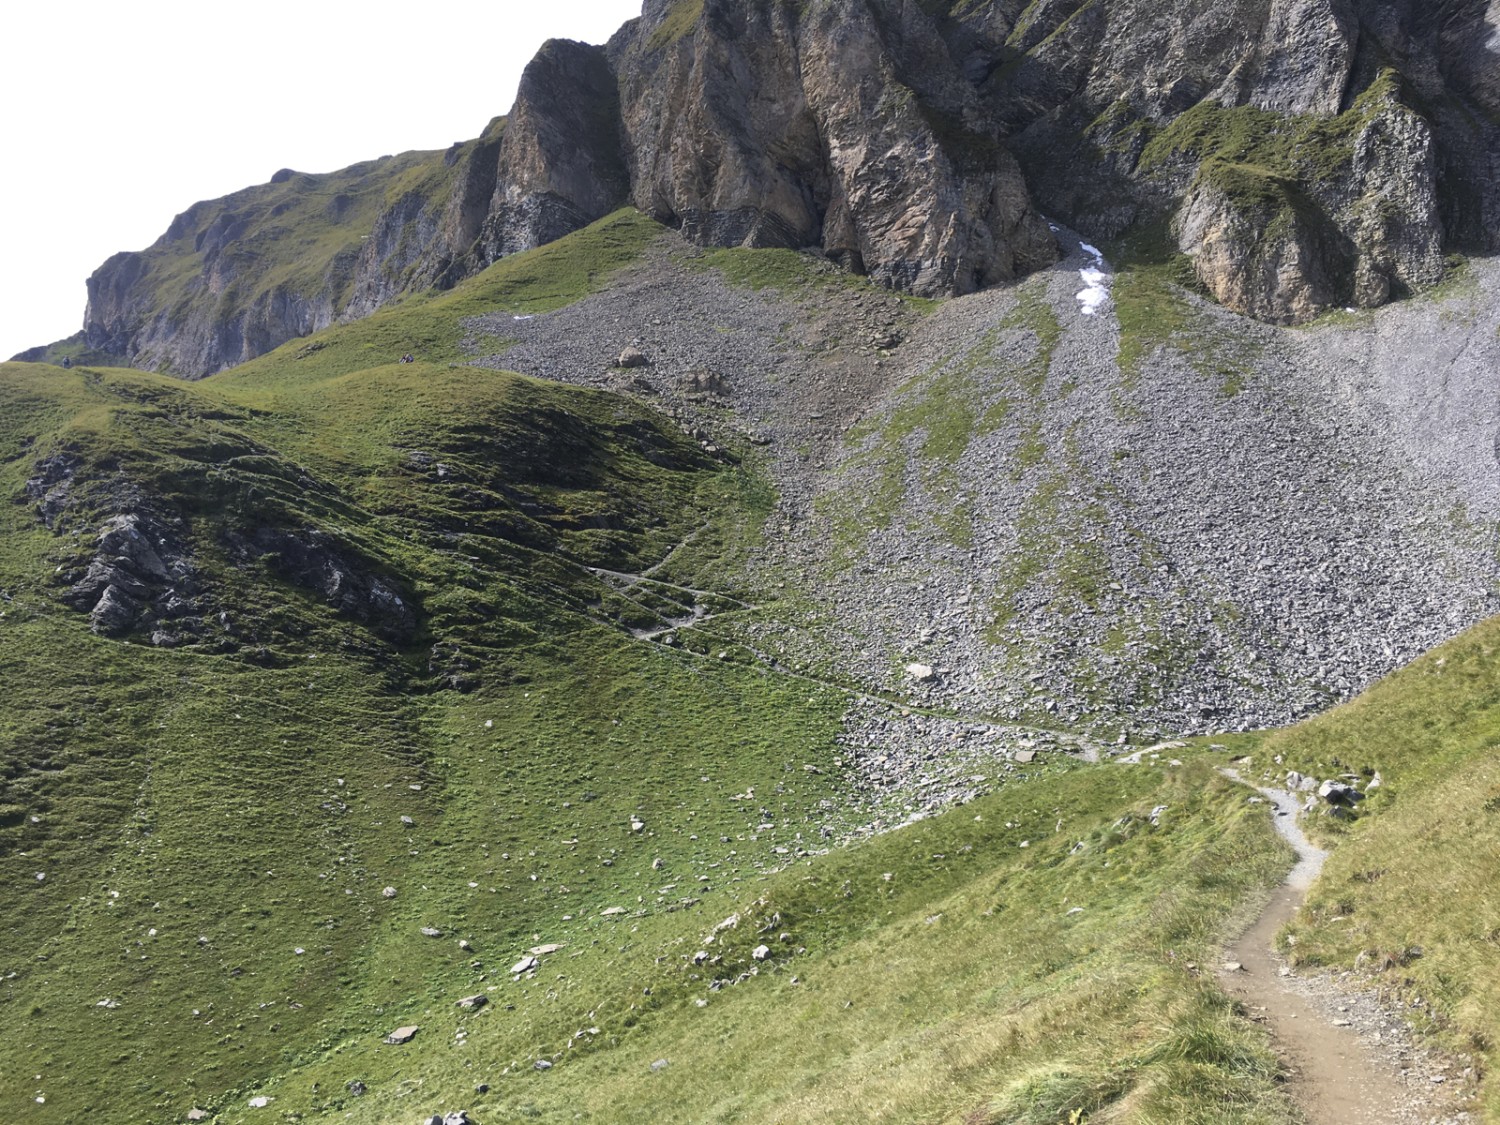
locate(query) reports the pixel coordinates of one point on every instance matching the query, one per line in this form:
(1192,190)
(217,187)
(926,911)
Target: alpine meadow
(843,561)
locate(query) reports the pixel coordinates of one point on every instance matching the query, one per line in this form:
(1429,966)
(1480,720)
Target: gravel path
(1349,1057)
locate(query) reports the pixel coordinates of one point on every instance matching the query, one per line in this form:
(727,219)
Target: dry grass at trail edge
(1410,896)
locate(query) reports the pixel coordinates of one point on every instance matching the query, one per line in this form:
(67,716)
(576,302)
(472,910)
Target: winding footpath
(1333,1075)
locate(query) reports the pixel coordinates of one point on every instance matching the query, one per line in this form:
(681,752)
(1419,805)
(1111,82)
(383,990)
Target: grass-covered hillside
(1411,893)
(338,693)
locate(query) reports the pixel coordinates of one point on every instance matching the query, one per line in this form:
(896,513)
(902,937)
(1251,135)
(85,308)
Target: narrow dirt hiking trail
(1333,1075)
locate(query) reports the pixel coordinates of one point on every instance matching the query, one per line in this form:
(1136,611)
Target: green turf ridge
(1411,895)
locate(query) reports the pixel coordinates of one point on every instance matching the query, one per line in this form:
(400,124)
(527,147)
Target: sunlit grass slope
(242,795)
(263,850)
(1412,891)
(981,967)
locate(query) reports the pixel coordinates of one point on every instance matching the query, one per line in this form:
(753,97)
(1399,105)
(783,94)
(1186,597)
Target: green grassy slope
(241,795)
(1411,893)
(217,824)
(934,974)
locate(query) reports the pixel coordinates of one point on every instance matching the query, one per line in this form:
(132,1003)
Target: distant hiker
(67,362)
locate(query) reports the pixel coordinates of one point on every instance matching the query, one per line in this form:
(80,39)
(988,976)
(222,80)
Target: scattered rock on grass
(1337,793)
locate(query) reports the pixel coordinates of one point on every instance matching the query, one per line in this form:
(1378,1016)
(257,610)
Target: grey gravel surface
(1250,527)
(1434,1086)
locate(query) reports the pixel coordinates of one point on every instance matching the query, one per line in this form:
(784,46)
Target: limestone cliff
(1309,153)
(1304,154)
(844,124)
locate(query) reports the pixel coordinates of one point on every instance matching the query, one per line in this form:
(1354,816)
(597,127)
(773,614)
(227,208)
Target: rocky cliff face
(872,147)
(1308,153)
(1304,154)
(236,277)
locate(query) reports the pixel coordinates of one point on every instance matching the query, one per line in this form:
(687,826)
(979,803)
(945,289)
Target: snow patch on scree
(1093,298)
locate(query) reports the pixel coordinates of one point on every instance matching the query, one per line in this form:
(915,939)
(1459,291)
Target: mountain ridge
(1337,163)
(642,677)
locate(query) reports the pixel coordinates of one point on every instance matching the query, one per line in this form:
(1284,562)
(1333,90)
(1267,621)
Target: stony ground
(1434,1086)
(1236,533)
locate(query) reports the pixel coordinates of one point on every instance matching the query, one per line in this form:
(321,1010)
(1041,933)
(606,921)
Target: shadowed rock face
(140,574)
(1389,168)
(913,141)
(307,559)
(561,164)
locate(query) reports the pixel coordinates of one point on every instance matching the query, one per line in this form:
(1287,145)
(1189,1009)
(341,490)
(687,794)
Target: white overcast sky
(117,114)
